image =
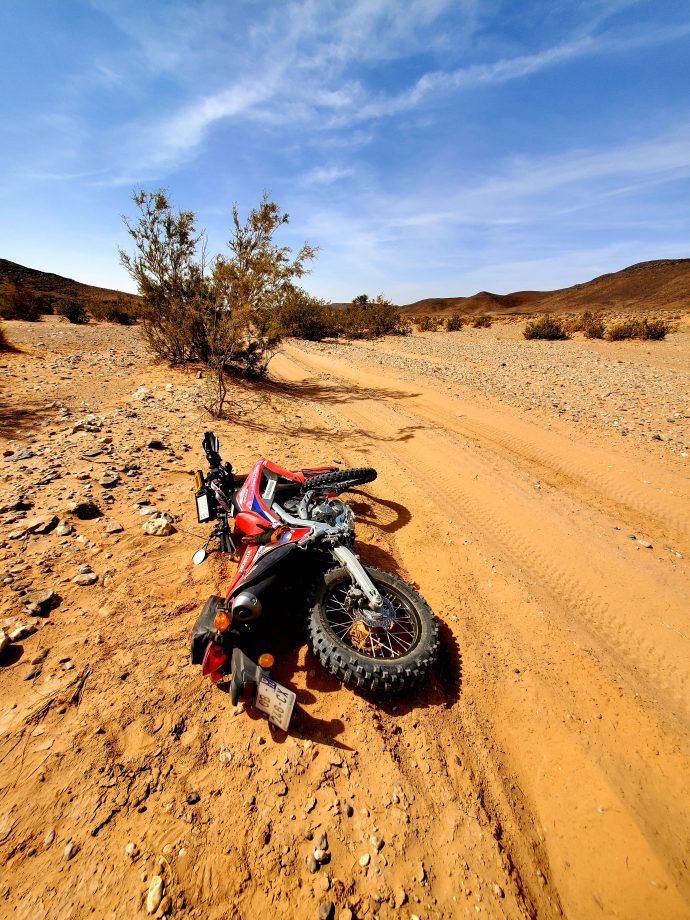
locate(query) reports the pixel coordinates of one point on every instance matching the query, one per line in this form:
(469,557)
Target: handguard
(269,535)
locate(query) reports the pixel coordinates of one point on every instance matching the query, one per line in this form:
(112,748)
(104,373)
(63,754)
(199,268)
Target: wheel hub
(356,603)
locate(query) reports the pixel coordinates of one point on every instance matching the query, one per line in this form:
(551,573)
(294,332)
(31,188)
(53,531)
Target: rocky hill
(661,285)
(50,289)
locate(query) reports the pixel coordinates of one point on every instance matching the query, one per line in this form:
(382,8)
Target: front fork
(349,561)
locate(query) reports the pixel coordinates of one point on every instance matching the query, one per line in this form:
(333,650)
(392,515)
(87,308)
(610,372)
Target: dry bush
(545,327)
(647,329)
(73,310)
(305,317)
(4,344)
(18,301)
(426,323)
(228,317)
(120,310)
(369,319)
(592,325)
(454,323)
(482,322)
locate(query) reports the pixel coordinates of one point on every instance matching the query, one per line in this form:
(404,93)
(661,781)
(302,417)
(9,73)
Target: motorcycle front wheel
(388,658)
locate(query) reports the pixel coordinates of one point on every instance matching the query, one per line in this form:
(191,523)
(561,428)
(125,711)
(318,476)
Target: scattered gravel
(602,384)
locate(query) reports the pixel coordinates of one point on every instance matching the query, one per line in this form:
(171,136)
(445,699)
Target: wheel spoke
(380,642)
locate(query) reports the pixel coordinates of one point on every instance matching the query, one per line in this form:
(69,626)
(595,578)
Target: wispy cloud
(327,175)
(297,91)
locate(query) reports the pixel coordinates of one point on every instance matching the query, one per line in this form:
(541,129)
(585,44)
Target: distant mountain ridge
(51,288)
(663,284)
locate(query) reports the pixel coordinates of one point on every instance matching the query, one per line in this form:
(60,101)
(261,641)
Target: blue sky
(430,148)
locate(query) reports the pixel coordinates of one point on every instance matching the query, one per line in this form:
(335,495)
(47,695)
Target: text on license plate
(276,701)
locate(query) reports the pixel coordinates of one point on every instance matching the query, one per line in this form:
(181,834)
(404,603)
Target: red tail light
(214,659)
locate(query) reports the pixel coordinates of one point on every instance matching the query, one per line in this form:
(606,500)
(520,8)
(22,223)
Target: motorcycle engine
(333,512)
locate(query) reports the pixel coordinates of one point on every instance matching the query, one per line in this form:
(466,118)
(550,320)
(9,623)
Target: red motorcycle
(366,626)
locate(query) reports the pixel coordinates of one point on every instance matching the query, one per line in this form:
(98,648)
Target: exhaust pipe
(246,607)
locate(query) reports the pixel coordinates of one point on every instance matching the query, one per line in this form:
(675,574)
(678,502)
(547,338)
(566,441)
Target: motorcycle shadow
(298,669)
(366,514)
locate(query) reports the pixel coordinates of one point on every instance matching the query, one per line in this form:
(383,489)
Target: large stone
(155,894)
(40,601)
(114,527)
(85,510)
(160,526)
(85,579)
(20,455)
(21,632)
(109,480)
(70,850)
(42,523)
(4,640)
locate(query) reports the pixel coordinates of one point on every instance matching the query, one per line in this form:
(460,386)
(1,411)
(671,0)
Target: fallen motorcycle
(366,626)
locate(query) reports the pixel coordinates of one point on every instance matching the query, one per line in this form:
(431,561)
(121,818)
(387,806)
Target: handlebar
(211,446)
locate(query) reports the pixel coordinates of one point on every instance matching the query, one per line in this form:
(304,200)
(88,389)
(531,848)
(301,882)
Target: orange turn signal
(266,661)
(222,621)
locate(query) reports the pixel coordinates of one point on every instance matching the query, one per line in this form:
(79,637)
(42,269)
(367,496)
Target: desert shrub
(120,310)
(4,344)
(426,323)
(73,310)
(170,278)
(592,325)
(654,329)
(307,317)
(624,330)
(545,327)
(482,322)
(454,323)
(18,301)
(368,319)
(227,316)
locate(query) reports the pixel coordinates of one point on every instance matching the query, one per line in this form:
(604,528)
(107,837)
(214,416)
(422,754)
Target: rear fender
(204,629)
(244,671)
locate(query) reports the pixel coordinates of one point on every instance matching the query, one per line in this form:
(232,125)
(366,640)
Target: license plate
(203,512)
(276,701)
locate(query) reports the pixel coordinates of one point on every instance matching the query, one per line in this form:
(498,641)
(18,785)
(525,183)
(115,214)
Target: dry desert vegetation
(535,492)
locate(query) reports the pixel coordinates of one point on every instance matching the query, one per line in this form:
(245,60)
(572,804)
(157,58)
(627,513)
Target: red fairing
(281,471)
(250,523)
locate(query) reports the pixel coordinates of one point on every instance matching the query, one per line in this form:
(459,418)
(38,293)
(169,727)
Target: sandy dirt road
(574,638)
(544,771)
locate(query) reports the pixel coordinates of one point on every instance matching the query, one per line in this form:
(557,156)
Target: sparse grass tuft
(545,327)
